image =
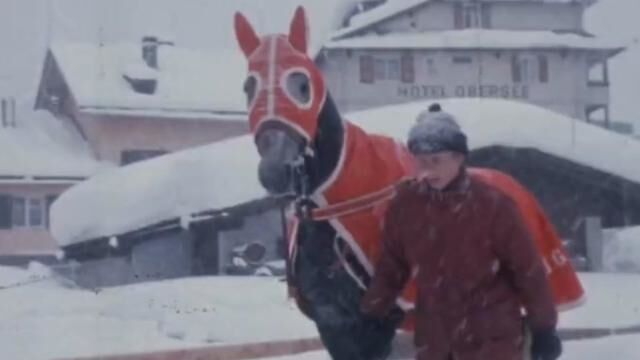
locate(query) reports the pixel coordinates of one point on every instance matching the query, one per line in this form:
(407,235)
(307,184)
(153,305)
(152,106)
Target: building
(39,161)
(134,101)
(528,50)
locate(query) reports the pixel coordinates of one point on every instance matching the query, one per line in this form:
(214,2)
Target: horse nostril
(274,177)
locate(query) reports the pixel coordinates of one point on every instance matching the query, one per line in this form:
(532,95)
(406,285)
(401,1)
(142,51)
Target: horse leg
(333,298)
(345,331)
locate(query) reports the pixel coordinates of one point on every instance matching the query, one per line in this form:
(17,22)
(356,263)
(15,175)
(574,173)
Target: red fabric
(567,289)
(474,263)
(271,59)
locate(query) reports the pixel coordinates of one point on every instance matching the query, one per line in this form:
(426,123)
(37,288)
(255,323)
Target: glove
(546,345)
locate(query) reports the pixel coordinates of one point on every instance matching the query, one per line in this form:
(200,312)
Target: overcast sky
(27,26)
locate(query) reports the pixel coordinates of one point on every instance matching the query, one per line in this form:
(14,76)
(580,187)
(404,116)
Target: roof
(94,52)
(475,39)
(190,82)
(208,178)
(40,149)
(393,8)
(497,122)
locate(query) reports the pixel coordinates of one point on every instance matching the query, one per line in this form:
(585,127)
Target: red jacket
(474,263)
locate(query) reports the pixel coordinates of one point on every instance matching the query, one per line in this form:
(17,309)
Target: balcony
(597,93)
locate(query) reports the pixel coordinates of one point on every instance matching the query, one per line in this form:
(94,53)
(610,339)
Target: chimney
(150,51)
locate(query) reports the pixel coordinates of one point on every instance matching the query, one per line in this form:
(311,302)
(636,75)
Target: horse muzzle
(276,177)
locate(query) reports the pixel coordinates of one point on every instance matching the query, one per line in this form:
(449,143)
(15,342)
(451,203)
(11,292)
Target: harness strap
(353,205)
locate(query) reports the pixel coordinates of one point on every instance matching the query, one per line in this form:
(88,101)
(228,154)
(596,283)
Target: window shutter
(516,73)
(543,70)
(50,200)
(5,211)
(366,69)
(458,16)
(407,68)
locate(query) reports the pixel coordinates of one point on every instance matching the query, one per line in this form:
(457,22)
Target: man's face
(439,169)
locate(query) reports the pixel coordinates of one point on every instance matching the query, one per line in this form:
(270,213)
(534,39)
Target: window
(461,60)
(383,69)
(393,69)
(523,69)
(380,69)
(131,156)
(598,74)
(471,15)
(36,212)
(25,212)
(485,13)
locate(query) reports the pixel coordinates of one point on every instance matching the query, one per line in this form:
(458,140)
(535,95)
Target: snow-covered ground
(619,348)
(46,320)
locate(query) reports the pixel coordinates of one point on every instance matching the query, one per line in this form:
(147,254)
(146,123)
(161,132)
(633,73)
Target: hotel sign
(462,91)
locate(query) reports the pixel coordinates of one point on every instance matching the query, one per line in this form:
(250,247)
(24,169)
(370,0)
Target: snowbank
(622,250)
(473,39)
(225,173)
(45,320)
(171,186)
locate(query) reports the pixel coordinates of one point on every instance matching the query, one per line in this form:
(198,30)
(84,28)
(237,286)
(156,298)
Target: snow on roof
(491,122)
(622,250)
(174,185)
(392,8)
(210,177)
(473,39)
(195,24)
(377,14)
(188,81)
(40,146)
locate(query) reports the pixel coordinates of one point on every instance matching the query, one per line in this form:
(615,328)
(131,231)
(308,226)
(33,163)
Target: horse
(342,178)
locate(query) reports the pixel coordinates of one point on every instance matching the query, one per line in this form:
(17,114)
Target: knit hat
(436,131)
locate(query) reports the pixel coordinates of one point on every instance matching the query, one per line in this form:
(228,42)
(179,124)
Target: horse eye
(250,88)
(299,87)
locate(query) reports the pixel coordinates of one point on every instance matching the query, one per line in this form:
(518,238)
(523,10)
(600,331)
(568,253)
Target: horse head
(286,98)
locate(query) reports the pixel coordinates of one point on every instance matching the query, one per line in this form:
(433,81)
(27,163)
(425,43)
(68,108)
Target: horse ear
(246,36)
(299,30)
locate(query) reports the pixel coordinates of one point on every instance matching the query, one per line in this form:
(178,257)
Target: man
(475,264)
